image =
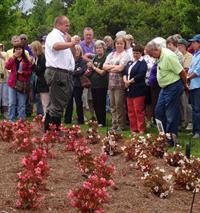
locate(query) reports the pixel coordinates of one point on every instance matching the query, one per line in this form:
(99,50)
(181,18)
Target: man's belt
(61,70)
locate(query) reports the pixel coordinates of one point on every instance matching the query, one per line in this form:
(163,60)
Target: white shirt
(150,62)
(130,54)
(62,59)
(132,65)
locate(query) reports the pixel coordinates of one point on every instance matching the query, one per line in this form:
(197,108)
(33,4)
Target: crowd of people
(136,84)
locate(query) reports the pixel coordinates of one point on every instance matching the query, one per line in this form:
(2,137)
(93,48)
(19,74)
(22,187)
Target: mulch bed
(129,195)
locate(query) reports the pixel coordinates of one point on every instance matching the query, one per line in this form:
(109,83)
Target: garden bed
(127,195)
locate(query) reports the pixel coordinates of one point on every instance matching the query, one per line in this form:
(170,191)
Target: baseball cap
(183,42)
(195,38)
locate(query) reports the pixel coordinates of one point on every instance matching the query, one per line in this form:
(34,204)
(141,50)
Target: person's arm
(2,56)
(126,81)
(121,64)
(88,57)
(9,63)
(39,69)
(99,71)
(191,76)
(177,68)
(117,68)
(107,67)
(67,44)
(26,68)
(183,76)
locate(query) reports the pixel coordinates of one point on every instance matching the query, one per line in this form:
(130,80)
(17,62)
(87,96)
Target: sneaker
(148,124)
(189,126)
(190,133)
(120,129)
(196,135)
(113,128)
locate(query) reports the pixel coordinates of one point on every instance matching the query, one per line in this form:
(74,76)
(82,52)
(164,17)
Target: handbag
(85,81)
(22,86)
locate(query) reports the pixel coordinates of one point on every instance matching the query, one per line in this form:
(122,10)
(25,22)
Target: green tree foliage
(36,26)
(55,8)
(144,19)
(11,20)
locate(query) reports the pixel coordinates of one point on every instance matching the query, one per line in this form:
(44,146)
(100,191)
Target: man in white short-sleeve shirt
(63,58)
(60,64)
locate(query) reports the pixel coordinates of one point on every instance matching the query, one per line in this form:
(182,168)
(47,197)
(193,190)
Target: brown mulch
(129,195)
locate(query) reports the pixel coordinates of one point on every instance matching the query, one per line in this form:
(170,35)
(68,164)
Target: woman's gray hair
(107,38)
(100,42)
(120,33)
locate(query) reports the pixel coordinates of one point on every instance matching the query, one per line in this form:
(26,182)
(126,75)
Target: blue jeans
(107,103)
(168,106)
(14,98)
(195,102)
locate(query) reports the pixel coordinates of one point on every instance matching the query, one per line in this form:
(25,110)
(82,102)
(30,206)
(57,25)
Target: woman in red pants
(134,79)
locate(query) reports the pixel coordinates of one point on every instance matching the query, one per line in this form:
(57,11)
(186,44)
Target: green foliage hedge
(144,19)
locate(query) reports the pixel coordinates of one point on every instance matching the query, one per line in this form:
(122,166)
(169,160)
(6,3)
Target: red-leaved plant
(6,131)
(101,168)
(32,179)
(83,156)
(38,120)
(49,139)
(71,136)
(91,195)
(22,136)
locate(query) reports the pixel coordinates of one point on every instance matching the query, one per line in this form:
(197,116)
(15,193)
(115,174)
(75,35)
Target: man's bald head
(62,23)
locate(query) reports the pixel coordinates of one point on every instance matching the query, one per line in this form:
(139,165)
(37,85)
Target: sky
(27,4)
